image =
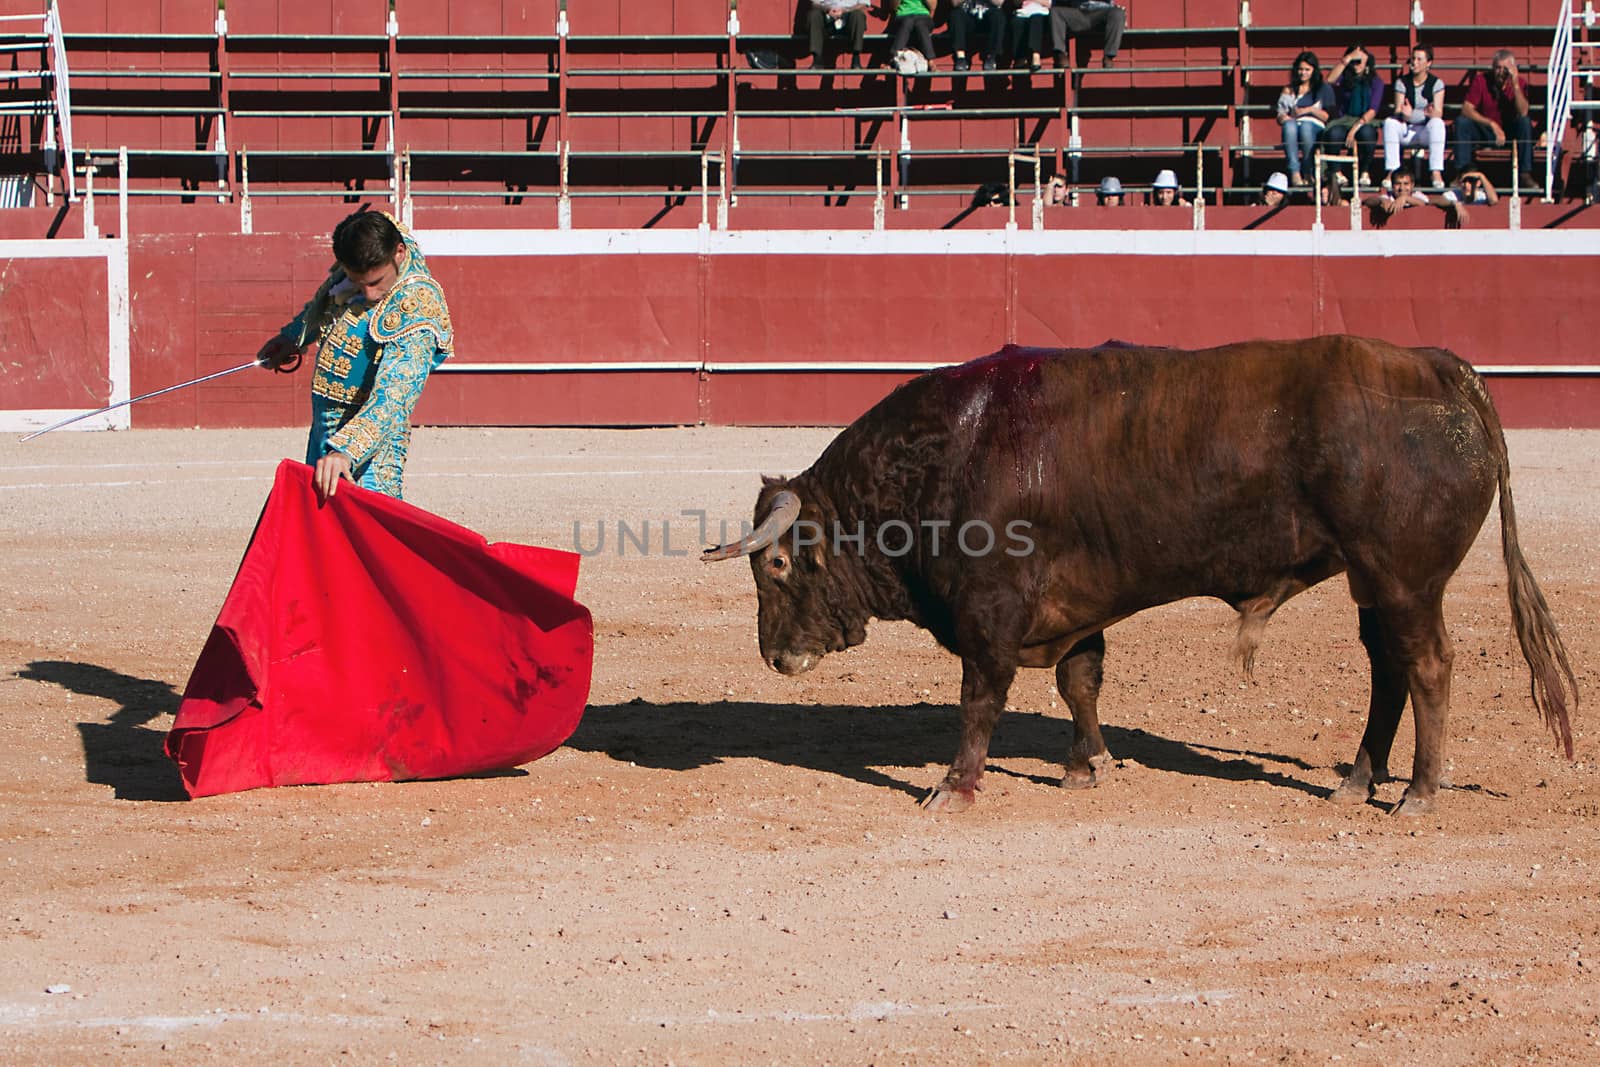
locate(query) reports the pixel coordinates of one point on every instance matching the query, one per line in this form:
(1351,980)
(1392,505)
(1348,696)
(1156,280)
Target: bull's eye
(778,565)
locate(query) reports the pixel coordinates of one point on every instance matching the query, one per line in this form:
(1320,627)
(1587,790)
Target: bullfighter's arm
(403,367)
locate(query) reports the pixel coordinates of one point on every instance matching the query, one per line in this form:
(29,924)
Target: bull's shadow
(123,751)
(852,742)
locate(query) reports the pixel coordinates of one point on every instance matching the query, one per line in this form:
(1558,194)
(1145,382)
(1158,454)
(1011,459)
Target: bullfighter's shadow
(123,752)
(852,742)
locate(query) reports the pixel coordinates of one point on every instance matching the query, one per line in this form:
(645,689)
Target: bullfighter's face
(376,283)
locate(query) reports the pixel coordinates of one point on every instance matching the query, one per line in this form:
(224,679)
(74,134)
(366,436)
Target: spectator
(991,194)
(1477,189)
(1275,191)
(1358,99)
(1496,106)
(1056,195)
(1303,111)
(1028,24)
(1071,19)
(1404,194)
(1165,192)
(972,17)
(1109,194)
(913,18)
(1418,113)
(837,18)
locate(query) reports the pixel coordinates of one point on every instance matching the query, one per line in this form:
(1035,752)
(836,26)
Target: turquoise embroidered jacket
(371,366)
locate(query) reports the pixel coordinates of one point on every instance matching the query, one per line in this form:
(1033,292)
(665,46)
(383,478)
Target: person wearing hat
(1110,191)
(1276,190)
(1165,192)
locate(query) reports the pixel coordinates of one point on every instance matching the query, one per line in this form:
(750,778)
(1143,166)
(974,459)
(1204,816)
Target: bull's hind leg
(984,685)
(1389,691)
(1413,657)
(1078,677)
(1429,657)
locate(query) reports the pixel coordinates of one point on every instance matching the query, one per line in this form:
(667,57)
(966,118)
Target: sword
(146,396)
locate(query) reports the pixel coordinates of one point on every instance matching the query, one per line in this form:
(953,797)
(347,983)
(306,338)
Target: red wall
(205,302)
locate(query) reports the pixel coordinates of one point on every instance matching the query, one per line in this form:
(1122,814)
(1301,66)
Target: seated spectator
(1358,100)
(1028,23)
(837,18)
(972,17)
(1109,194)
(1165,192)
(1403,194)
(991,194)
(1275,191)
(1073,19)
(1477,189)
(1056,194)
(1418,115)
(1496,107)
(1303,110)
(913,18)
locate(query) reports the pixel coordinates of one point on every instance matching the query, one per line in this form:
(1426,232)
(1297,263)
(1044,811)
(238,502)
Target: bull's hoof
(1351,793)
(1080,778)
(1413,804)
(948,800)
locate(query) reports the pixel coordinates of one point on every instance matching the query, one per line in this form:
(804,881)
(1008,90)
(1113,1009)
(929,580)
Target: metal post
(89,229)
(563,200)
(879,161)
(1199,187)
(1514,211)
(407,208)
(246,221)
(122,192)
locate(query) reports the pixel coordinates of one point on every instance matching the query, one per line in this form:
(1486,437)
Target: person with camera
(1496,109)
(846,19)
(1358,101)
(972,18)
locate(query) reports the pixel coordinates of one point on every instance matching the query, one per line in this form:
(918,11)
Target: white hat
(1110,185)
(1277,180)
(1166,180)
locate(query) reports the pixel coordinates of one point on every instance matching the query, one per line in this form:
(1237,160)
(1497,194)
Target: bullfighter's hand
(329,470)
(279,354)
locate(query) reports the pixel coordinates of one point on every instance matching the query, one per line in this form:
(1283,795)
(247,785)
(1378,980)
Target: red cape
(367,640)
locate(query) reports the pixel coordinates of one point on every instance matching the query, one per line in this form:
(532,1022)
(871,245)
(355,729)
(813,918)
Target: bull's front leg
(984,685)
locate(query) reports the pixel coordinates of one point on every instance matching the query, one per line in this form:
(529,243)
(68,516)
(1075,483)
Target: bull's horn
(780,516)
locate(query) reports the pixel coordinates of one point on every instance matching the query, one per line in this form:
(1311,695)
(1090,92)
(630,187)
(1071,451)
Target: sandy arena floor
(728,866)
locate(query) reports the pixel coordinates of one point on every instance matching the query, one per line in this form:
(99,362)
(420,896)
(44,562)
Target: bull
(1017,505)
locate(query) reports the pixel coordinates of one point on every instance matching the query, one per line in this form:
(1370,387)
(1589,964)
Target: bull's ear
(769,479)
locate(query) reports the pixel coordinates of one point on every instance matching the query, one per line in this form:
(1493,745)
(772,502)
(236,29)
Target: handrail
(1559,94)
(63,92)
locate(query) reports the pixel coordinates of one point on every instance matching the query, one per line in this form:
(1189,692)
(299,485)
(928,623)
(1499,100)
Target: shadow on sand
(123,751)
(853,742)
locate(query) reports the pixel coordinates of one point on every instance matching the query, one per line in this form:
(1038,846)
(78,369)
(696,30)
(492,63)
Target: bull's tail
(1536,631)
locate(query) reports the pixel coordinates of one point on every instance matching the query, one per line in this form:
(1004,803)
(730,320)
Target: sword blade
(146,396)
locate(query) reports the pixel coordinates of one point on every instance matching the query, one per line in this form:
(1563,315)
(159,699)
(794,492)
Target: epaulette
(415,304)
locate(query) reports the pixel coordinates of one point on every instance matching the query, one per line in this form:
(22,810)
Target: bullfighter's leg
(1078,677)
(1389,692)
(984,685)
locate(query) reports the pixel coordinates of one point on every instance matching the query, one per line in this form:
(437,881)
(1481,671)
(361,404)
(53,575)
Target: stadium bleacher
(610,101)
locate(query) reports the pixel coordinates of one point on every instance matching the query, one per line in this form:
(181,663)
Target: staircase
(1574,96)
(35,113)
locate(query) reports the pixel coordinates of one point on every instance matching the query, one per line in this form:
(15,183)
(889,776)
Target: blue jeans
(1519,131)
(1299,141)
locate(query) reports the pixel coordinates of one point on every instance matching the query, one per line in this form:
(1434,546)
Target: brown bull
(1018,505)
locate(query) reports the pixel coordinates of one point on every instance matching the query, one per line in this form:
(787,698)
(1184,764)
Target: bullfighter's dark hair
(365,241)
